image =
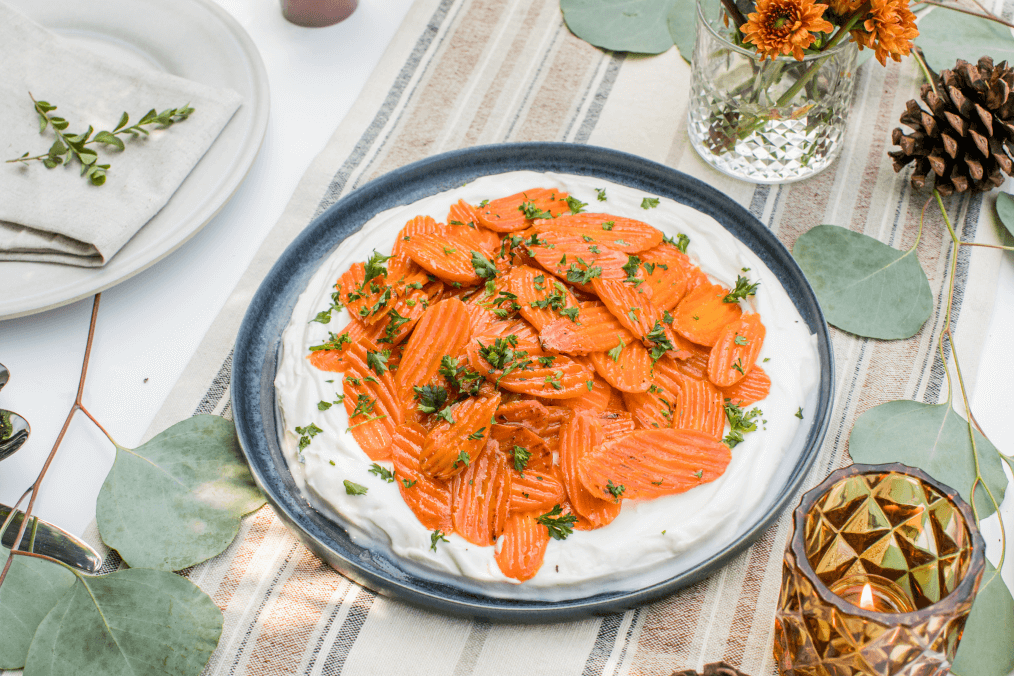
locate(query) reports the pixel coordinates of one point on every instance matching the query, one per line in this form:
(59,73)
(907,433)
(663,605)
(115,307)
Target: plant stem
(63,431)
(927,73)
(734,13)
(833,42)
(953,8)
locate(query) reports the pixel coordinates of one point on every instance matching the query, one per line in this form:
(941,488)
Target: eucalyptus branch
(75,146)
(927,72)
(970,12)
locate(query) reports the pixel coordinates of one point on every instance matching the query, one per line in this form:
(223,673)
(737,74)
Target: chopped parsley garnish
(461,376)
(614,353)
(590,384)
(667,318)
(463,457)
(575,205)
(632,314)
(532,212)
(608,225)
(483,266)
(408,484)
(377,361)
(448,250)
(555,300)
(431,398)
(743,289)
(740,340)
(799,413)
(445,413)
(325,405)
(576,275)
(306,434)
(680,242)
(615,491)
(384,473)
(334,342)
(570,313)
(661,342)
(394,324)
(483,203)
(558,524)
(649,268)
(740,422)
(435,537)
(324,316)
(588,238)
(354,489)
(364,407)
(477,434)
(547,361)
(633,262)
(374,268)
(739,366)
(554,380)
(699,474)
(649,203)
(521,457)
(594,249)
(600,194)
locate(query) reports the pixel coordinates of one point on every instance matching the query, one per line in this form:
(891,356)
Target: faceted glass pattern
(745,121)
(888,520)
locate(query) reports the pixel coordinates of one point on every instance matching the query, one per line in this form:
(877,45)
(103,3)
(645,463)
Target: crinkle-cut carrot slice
(616,404)
(396,325)
(697,279)
(667,374)
(648,464)
(596,399)
(527,412)
(534,454)
(436,290)
(540,295)
(420,225)
(373,409)
(654,409)
(666,272)
(506,214)
(702,314)
(579,435)
(523,547)
(478,239)
(561,379)
(699,407)
(428,498)
(528,337)
(749,390)
(596,330)
(403,274)
(531,490)
(636,313)
(450,447)
(622,234)
(695,366)
(576,261)
(359,296)
(616,424)
(556,416)
(442,330)
(736,350)
(481,497)
(334,360)
(446,255)
(628,369)
(479,318)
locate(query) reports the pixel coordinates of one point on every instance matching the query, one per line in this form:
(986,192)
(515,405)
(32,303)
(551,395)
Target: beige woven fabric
(464,72)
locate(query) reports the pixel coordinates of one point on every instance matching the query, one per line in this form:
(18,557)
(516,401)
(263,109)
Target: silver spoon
(14,429)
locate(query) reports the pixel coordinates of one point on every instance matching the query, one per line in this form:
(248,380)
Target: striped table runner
(467,72)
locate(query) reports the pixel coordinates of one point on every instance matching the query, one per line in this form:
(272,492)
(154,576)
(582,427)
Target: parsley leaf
(394,324)
(575,205)
(445,413)
(608,225)
(532,212)
(661,342)
(615,352)
(374,268)
(600,194)
(334,342)
(431,398)
(570,313)
(384,473)
(477,434)
(799,413)
(616,491)
(740,423)
(435,537)
(740,340)
(649,203)
(463,457)
(743,289)
(408,484)
(483,266)
(578,276)
(559,527)
(521,457)
(377,361)
(354,488)
(680,242)
(633,262)
(306,434)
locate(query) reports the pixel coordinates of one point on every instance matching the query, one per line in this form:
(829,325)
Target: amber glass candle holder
(911,541)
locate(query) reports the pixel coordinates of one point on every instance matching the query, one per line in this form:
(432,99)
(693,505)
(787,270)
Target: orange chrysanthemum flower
(889,29)
(844,7)
(785,26)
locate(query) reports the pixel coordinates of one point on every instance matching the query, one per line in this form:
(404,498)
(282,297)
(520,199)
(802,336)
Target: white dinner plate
(194,39)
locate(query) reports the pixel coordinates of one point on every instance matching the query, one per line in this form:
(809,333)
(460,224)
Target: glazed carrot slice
(576,261)
(636,313)
(699,407)
(527,412)
(752,388)
(536,373)
(648,464)
(596,330)
(428,498)
(616,424)
(508,214)
(523,548)
(403,274)
(420,225)
(395,326)
(556,416)
(627,366)
(442,330)
(533,490)
(595,399)
(654,409)
(579,436)
(695,366)
(481,497)
(333,358)
(366,300)
(524,449)
(525,333)
(668,374)
(465,215)
(666,272)
(616,404)
(701,315)
(541,296)
(450,447)
(621,234)
(736,350)
(370,402)
(446,255)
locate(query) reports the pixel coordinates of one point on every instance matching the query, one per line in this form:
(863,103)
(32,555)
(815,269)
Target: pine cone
(713,669)
(967,137)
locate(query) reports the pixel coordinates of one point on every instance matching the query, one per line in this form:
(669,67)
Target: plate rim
(260,103)
(245,389)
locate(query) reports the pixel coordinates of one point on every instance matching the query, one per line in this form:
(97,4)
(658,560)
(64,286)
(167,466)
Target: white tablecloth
(150,325)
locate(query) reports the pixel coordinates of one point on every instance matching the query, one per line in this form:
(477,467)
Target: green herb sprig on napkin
(71,146)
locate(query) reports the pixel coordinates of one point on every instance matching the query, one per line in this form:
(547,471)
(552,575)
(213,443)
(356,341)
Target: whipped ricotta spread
(646,533)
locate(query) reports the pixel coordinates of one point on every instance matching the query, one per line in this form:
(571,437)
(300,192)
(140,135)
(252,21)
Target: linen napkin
(54,215)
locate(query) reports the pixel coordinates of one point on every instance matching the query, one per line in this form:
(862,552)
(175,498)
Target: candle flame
(866,599)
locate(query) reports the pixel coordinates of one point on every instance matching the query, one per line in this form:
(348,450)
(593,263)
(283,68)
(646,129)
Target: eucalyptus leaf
(124,119)
(934,438)
(682,21)
(131,622)
(178,499)
(987,645)
(946,36)
(864,286)
(621,25)
(1005,211)
(30,590)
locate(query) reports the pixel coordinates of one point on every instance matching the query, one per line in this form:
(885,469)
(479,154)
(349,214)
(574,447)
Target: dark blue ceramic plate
(255,408)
